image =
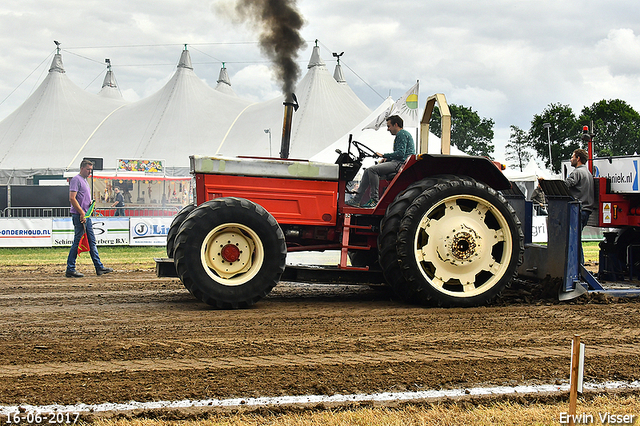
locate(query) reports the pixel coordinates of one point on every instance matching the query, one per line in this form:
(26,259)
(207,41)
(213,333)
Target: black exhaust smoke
(280,39)
(280,24)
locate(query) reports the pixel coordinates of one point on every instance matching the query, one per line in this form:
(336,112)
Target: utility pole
(268,131)
(548,126)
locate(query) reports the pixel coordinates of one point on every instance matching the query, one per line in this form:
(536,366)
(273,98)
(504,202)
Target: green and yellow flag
(90,210)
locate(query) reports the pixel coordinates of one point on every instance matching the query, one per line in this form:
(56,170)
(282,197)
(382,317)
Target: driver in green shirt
(403,147)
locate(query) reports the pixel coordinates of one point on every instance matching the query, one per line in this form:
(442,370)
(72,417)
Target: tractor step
(344,251)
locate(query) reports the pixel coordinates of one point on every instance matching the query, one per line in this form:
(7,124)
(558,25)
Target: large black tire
(459,244)
(389,227)
(230,252)
(175,226)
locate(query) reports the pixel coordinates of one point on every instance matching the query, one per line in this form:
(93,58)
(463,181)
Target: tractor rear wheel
(175,226)
(230,252)
(459,244)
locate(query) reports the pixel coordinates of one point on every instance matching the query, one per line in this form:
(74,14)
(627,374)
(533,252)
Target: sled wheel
(459,244)
(230,252)
(388,237)
(175,225)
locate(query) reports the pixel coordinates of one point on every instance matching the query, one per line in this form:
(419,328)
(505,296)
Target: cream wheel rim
(232,254)
(463,245)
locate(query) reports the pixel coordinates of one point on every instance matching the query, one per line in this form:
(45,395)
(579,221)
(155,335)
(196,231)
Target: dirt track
(131,336)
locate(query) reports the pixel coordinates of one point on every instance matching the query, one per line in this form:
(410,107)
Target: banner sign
(109,231)
(149,230)
(622,172)
(147,166)
(25,232)
(539,229)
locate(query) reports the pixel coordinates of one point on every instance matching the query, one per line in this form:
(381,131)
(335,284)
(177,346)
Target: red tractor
(442,233)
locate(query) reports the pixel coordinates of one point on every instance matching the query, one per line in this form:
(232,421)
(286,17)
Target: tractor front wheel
(230,252)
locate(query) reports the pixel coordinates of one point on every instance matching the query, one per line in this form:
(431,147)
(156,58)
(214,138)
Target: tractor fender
(418,167)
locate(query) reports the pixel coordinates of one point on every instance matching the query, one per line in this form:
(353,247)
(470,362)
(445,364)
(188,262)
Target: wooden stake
(573,381)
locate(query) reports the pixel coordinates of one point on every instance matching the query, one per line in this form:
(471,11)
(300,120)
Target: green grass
(135,255)
(29,256)
(590,250)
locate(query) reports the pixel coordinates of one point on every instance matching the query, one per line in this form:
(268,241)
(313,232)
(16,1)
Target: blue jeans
(78,233)
(584,218)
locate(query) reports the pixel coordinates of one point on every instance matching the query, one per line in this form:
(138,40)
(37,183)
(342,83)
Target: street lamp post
(548,126)
(268,131)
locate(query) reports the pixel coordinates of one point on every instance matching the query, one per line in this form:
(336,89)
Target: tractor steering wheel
(364,151)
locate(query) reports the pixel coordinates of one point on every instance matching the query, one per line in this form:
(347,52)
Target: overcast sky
(507,60)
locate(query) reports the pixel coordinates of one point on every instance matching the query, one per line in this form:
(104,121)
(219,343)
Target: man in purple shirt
(80,198)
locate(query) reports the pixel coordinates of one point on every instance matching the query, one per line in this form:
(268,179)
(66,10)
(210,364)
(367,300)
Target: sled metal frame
(561,257)
(576,274)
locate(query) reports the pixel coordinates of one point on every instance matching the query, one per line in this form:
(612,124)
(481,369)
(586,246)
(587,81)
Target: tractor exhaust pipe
(290,105)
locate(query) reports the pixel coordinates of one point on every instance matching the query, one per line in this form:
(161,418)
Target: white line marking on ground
(313,399)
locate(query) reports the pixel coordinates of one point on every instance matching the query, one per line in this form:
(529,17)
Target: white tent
(185,117)
(49,128)
(531,172)
(528,177)
(60,124)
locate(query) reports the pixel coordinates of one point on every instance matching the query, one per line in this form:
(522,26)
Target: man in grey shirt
(580,184)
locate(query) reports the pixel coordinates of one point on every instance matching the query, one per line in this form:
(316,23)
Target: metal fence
(35,212)
(139,211)
(43,212)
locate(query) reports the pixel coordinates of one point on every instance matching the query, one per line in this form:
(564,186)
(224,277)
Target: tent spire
(224,76)
(224,82)
(185,59)
(109,79)
(315,60)
(109,84)
(337,74)
(56,64)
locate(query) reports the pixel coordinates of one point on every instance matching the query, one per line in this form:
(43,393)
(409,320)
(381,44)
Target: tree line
(616,128)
